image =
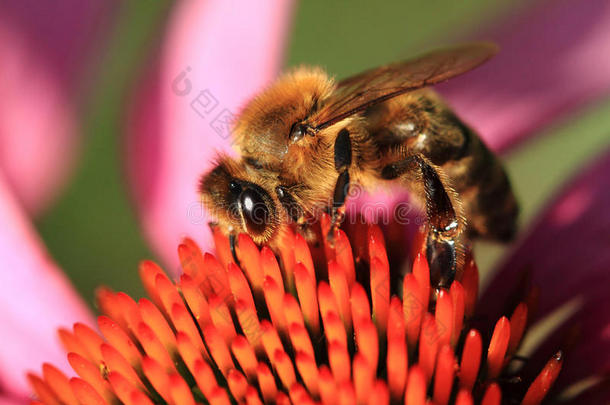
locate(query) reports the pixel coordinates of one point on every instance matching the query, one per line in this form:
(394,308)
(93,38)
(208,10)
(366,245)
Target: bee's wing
(363,90)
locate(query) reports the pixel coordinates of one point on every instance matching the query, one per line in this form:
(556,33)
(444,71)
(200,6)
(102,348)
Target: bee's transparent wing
(363,90)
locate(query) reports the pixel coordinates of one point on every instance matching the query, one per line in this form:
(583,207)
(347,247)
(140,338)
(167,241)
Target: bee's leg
(337,210)
(445,224)
(232,245)
(343,160)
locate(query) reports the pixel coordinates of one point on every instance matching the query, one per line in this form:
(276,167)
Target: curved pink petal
(35,299)
(567,255)
(46,51)
(213,58)
(10,401)
(554,58)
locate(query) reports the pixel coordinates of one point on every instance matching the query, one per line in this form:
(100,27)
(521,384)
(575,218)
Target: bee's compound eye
(255,211)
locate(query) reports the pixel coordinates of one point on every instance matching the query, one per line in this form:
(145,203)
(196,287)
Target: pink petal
(591,354)
(554,58)
(212,53)
(46,49)
(11,401)
(35,299)
(567,255)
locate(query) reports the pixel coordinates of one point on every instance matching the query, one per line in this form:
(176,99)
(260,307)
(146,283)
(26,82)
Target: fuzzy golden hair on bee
(305,140)
(263,125)
(295,92)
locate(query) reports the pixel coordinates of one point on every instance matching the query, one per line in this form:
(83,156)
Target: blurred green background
(92,230)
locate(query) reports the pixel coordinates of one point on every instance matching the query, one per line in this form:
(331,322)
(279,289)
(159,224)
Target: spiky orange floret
(289,331)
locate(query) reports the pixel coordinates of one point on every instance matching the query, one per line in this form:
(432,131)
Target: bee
(306,139)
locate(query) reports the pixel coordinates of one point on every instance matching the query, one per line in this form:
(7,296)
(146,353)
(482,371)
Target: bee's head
(239,203)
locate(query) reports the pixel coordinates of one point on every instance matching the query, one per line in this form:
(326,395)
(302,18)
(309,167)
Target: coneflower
(279,329)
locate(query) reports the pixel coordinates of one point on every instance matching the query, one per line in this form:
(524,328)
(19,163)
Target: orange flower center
(287,329)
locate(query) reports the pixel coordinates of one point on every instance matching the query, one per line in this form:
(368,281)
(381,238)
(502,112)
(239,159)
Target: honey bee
(306,139)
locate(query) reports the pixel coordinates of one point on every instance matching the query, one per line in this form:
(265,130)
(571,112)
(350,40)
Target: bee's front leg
(343,161)
(337,210)
(446,225)
(232,245)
